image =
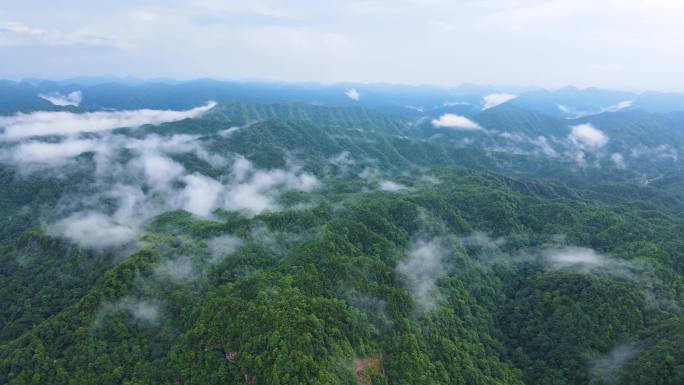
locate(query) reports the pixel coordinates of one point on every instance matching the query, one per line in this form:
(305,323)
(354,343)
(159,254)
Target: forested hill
(339,117)
(251,242)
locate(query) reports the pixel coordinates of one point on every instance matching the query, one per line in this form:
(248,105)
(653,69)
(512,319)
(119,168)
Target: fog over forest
(342,193)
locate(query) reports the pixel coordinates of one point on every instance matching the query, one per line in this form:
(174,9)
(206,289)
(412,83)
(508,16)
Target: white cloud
(176,269)
(388,185)
(353,94)
(587,260)
(135,206)
(229,131)
(430,179)
(223,246)
(586,135)
(619,106)
(342,159)
(48,154)
(67,123)
(424,267)
(575,257)
(369,173)
(95,230)
(184,268)
(201,194)
(13,33)
(544,146)
(35,154)
(145,311)
(71,99)
(618,160)
(484,241)
(606,368)
(147,182)
(415,108)
(574,113)
(174,144)
(252,190)
(525,145)
(249,197)
(457,122)
(565,109)
(16,27)
(559,257)
(494,100)
(142,310)
(159,170)
(663,151)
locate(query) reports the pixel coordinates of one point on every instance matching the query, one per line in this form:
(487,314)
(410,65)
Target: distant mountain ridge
(131,93)
(284,234)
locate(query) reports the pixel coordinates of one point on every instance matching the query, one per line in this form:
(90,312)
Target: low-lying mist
(118,182)
(42,123)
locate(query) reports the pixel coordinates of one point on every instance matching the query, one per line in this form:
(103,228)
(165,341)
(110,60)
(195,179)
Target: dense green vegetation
(473,267)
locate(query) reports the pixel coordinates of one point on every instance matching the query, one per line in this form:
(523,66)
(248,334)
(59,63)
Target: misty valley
(211,232)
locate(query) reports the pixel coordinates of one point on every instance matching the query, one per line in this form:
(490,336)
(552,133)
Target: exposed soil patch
(364,367)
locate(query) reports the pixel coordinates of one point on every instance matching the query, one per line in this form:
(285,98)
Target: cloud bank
(47,153)
(135,179)
(494,100)
(456,122)
(353,94)
(44,123)
(154,184)
(251,190)
(574,113)
(71,99)
(94,230)
(201,194)
(586,135)
(574,257)
(587,260)
(619,106)
(552,258)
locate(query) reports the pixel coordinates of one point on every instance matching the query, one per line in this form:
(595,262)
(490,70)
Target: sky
(619,44)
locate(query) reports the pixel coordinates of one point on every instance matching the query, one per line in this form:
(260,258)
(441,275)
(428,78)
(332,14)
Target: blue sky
(625,44)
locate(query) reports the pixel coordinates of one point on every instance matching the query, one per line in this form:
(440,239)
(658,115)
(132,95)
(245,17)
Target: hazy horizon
(132,80)
(626,45)
(357,192)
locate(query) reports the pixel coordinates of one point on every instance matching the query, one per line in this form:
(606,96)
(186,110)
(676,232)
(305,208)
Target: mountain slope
(300,244)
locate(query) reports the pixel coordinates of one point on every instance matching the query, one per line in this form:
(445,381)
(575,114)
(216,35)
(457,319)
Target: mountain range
(211,232)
